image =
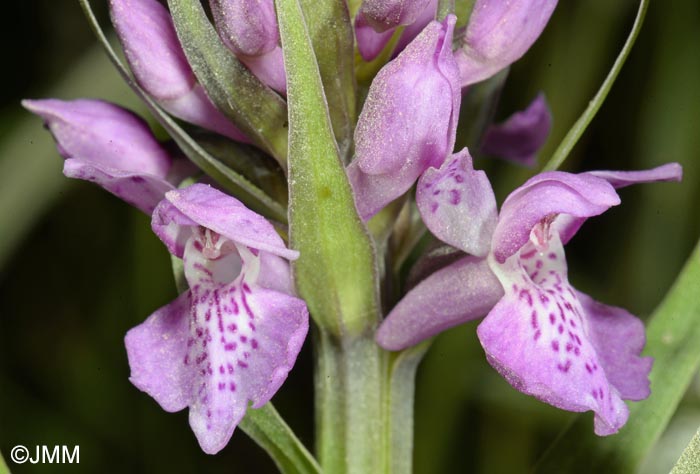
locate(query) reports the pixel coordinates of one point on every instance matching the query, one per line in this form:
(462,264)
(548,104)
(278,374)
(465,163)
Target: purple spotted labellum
(233,337)
(249,29)
(155,56)
(546,338)
(498,34)
(409,119)
(111,147)
(521,136)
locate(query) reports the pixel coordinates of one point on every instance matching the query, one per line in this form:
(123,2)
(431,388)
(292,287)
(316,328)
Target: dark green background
(78,268)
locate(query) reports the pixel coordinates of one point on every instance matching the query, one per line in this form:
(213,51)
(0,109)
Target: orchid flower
(234,335)
(546,338)
(111,147)
(409,119)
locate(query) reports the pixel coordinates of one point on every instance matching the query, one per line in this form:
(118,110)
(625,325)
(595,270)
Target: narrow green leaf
(332,36)
(238,185)
(3,467)
(334,273)
(689,462)
(266,427)
(673,339)
(255,108)
(572,137)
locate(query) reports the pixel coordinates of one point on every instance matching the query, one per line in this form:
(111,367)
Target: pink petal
(545,196)
(458,205)
(247,27)
(383,15)
(369,42)
(541,339)
(498,34)
(460,292)
(521,136)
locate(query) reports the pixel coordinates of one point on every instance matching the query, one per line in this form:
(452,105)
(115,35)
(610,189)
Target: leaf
(334,273)
(255,108)
(249,194)
(572,137)
(332,38)
(267,428)
(673,338)
(689,462)
(3,467)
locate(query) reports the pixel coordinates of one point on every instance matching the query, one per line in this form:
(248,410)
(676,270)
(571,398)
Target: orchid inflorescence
(234,333)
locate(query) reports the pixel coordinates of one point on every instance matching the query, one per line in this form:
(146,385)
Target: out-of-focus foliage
(79,268)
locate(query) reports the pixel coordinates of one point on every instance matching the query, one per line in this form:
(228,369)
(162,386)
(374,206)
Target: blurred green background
(78,268)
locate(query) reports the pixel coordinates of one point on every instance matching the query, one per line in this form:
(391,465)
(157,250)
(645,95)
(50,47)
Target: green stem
(350,410)
(445,7)
(572,137)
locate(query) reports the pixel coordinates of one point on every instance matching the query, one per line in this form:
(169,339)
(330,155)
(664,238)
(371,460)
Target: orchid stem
(572,137)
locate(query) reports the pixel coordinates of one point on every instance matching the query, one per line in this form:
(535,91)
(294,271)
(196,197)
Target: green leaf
(332,36)
(689,462)
(673,338)
(334,273)
(238,185)
(572,137)
(255,108)
(267,428)
(3,467)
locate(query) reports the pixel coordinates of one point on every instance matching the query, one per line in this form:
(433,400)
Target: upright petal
(158,62)
(157,349)
(458,205)
(498,34)
(428,14)
(410,114)
(383,15)
(247,27)
(541,339)
(544,197)
(521,136)
(109,146)
(408,121)
(460,292)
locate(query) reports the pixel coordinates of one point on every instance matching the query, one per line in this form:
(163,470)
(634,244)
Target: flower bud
(498,34)
(247,27)
(158,62)
(384,15)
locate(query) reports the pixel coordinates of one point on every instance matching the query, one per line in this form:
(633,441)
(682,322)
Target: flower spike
(233,337)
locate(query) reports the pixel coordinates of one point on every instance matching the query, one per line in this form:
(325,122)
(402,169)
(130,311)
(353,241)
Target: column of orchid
(258,262)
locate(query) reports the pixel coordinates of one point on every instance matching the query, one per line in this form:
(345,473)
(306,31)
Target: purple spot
(539,264)
(254,343)
(564,367)
(459,178)
(569,347)
(187,360)
(552,318)
(533,319)
(572,322)
(242,364)
(208,414)
(434,207)
(555,346)
(538,333)
(455,197)
(229,366)
(543,298)
(552,256)
(529,254)
(595,394)
(232,327)
(198,245)
(246,288)
(232,386)
(525,294)
(243,339)
(589,368)
(436,192)
(221,369)
(560,328)
(578,339)
(251,325)
(231,346)
(577,351)
(222,385)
